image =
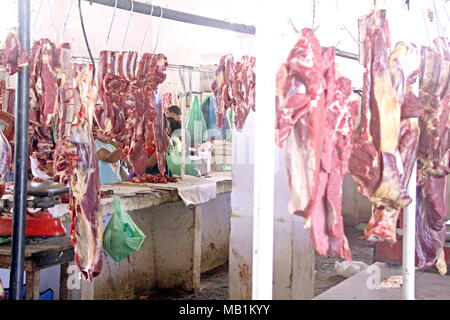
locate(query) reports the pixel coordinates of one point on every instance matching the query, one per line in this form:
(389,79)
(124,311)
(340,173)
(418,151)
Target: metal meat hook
(146,29)
(128,24)
(110,25)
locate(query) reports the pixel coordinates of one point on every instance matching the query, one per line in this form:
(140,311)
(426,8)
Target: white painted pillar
(263,212)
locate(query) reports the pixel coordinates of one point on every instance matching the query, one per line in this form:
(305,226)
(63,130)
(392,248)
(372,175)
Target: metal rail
(21,123)
(144,8)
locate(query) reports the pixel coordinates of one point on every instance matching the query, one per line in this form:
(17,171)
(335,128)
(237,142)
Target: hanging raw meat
(222,87)
(45,75)
(243,90)
(433,164)
(13,56)
(375,163)
(234,87)
(65,152)
(404,68)
(315,115)
(87,224)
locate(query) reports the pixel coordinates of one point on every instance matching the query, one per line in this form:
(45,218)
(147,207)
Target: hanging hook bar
(110,25)
(146,29)
(128,24)
(65,22)
(159,29)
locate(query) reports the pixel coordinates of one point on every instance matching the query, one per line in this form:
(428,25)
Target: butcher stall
(140,160)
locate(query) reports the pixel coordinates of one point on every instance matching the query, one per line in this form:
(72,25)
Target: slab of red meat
(161,137)
(433,164)
(375,163)
(222,87)
(243,90)
(44,79)
(13,56)
(87,223)
(113,91)
(404,68)
(149,178)
(65,152)
(313,103)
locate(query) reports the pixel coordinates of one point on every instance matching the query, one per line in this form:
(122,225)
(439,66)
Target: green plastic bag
(196,129)
(173,159)
(121,236)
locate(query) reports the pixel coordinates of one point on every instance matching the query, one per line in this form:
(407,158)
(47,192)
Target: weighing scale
(41,195)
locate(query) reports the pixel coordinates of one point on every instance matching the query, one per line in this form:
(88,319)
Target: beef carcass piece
(65,152)
(222,87)
(375,162)
(113,91)
(312,104)
(13,56)
(147,123)
(87,225)
(433,160)
(243,89)
(404,69)
(44,78)
(167,101)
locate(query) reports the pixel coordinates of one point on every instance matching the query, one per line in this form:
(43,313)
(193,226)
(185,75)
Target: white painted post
(409,238)
(263,211)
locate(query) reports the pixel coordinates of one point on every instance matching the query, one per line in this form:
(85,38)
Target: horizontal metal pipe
(347,55)
(170,14)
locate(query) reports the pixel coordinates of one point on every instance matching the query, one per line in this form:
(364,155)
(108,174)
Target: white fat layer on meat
(300,190)
(307,60)
(389,113)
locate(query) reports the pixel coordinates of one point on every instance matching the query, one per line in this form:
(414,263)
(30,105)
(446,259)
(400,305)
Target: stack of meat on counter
(404,117)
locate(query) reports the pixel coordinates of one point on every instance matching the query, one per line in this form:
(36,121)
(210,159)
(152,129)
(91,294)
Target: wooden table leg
(63,287)
(33,288)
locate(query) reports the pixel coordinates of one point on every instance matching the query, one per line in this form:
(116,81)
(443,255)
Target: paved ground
(214,284)
(325,276)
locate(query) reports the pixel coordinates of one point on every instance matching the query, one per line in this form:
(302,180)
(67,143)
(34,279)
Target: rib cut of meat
(234,87)
(128,111)
(87,223)
(375,163)
(433,164)
(313,103)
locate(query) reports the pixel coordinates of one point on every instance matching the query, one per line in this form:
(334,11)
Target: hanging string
(342,23)
(314,13)
(159,29)
(86,40)
(37,16)
(50,13)
(65,22)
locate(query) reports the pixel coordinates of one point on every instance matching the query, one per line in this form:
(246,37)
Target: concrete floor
(328,284)
(429,286)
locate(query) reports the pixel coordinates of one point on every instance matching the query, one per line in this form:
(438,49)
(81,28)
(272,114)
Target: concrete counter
(182,241)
